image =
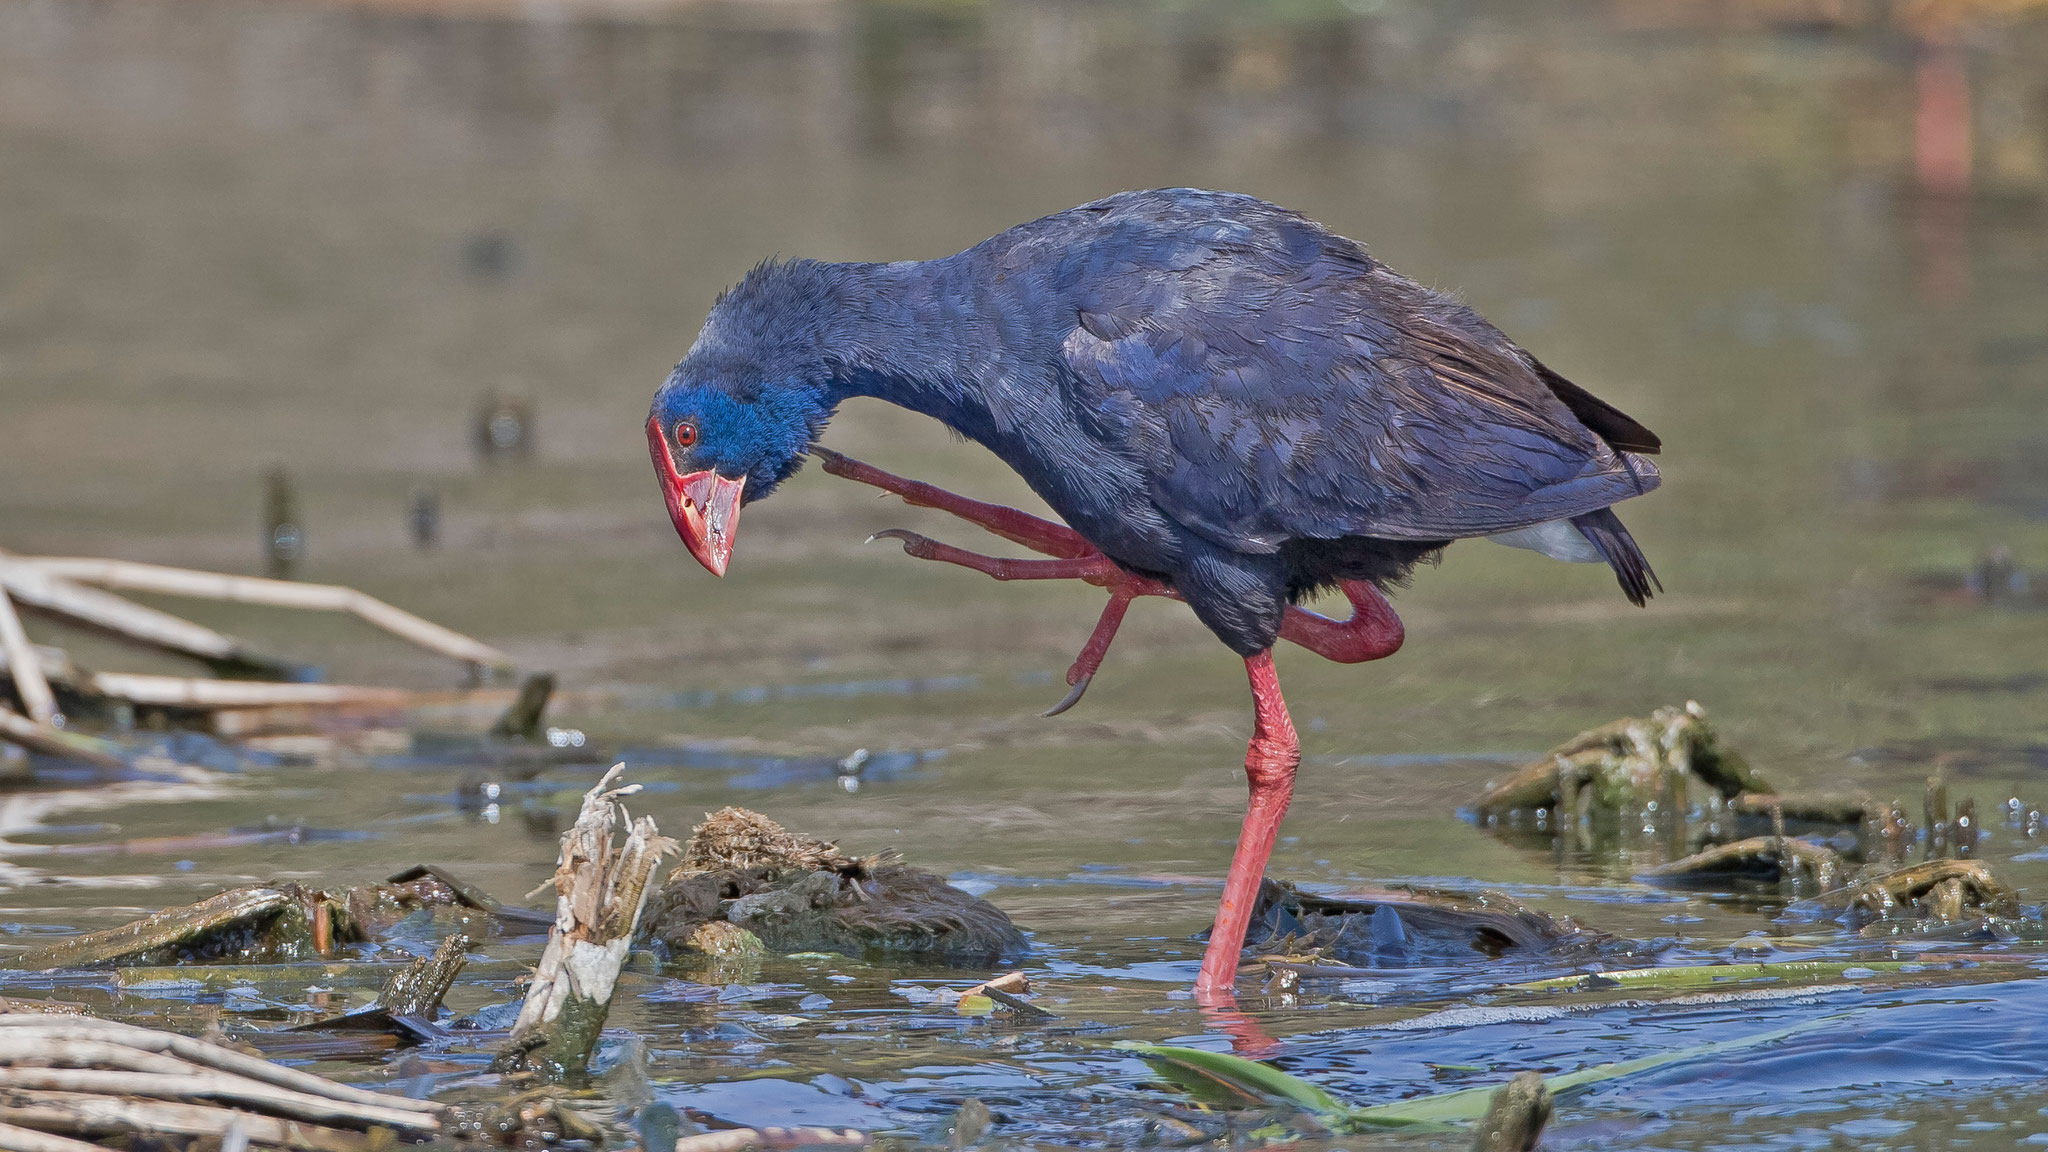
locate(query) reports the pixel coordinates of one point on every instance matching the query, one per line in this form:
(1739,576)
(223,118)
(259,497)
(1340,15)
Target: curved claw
(904,534)
(1073,696)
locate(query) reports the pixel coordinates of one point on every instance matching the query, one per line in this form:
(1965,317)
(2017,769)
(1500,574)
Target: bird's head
(721,439)
(736,416)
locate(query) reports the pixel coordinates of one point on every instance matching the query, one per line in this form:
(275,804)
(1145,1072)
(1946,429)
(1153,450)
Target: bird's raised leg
(1269,764)
(1082,672)
(1033,532)
(1090,568)
(1076,558)
(1096,569)
(1373,632)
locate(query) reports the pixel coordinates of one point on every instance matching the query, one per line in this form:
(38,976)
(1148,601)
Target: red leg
(1083,671)
(1034,533)
(1372,633)
(1093,568)
(1269,765)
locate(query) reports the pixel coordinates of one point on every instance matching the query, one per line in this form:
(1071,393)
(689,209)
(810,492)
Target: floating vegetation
(1934,893)
(279,923)
(254,924)
(1624,766)
(795,893)
(1760,860)
(1688,979)
(1234,1081)
(1396,927)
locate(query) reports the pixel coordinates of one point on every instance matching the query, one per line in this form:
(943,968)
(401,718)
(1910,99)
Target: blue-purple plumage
(1211,389)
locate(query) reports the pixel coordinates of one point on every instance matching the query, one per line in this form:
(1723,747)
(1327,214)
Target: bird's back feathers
(1276,382)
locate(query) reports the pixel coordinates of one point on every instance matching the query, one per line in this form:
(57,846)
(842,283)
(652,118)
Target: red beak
(704,505)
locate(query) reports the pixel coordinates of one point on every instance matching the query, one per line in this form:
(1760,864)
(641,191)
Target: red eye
(686,433)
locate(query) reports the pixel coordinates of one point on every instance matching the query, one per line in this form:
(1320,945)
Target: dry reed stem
(17,1139)
(31,587)
(128,576)
(599,895)
(23,1050)
(85,1112)
(768,1139)
(34,690)
(218,1086)
(198,693)
(149,1040)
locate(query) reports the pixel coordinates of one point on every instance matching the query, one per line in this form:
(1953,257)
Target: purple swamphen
(1227,402)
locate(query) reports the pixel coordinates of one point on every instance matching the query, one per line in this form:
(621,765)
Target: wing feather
(1273,389)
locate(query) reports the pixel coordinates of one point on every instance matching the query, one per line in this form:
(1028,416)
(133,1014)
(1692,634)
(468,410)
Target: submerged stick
(18,729)
(417,989)
(522,717)
(599,893)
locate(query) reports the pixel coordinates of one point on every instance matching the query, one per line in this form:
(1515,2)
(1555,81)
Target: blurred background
(415,268)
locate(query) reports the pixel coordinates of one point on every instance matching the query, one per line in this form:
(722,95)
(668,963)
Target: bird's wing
(1269,392)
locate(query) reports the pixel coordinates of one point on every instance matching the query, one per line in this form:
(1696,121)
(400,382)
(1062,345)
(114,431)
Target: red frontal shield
(704,505)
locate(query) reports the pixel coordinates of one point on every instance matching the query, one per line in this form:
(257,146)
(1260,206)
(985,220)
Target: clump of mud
(797,893)
(1394,927)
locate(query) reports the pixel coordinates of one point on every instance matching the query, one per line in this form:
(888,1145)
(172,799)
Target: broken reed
(599,893)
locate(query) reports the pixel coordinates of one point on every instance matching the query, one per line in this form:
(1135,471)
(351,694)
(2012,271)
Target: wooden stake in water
(284,541)
(599,892)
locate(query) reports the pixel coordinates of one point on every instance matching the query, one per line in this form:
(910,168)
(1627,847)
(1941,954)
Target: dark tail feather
(1604,530)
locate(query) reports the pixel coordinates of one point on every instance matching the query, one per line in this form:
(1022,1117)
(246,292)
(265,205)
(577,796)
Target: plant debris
(599,893)
(1772,860)
(277,923)
(255,924)
(1399,926)
(796,893)
(1623,766)
(1937,892)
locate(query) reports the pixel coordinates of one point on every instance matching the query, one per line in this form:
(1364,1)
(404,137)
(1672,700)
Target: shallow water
(234,236)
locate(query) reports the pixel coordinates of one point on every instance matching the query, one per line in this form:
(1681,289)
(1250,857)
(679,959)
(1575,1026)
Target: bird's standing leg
(1269,764)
